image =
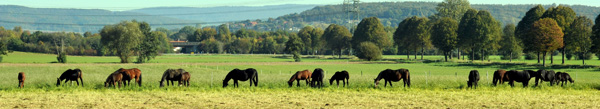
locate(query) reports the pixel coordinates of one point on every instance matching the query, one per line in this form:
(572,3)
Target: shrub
(62,58)
(368,51)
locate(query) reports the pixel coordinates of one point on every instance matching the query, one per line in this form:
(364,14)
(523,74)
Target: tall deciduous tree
(510,45)
(547,36)
(294,46)
(564,16)
(466,31)
(338,38)
(311,38)
(444,36)
(481,32)
(370,29)
(578,37)
(524,28)
(412,34)
(151,46)
(453,9)
(224,34)
(123,38)
(596,37)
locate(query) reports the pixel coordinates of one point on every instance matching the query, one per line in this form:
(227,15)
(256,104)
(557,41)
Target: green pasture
(433,82)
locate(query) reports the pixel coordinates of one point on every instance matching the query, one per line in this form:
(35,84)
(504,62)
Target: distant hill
(53,19)
(223,14)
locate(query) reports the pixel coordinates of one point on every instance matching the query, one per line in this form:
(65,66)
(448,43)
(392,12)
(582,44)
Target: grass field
(435,84)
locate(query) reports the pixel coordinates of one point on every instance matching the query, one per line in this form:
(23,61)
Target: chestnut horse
(317,78)
(390,75)
(300,75)
(499,77)
(113,79)
(241,75)
(130,74)
(343,75)
(70,75)
(185,78)
(21,79)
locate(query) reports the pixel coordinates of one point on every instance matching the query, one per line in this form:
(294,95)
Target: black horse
(544,75)
(473,78)
(393,75)
(172,75)
(562,78)
(317,78)
(343,75)
(241,75)
(519,76)
(70,75)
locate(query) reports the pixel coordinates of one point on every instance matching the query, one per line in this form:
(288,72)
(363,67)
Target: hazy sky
(120,5)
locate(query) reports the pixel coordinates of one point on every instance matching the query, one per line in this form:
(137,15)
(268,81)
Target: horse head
(225,83)
(162,84)
(57,81)
(290,83)
(331,81)
(376,82)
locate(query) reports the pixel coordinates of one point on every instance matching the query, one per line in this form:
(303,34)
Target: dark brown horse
(185,78)
(317,78)
(21,79)
(130,74)
(241,75)
(499,77)
(473,78)
(519,76)
(70,75)
(300,75)
(343,75)
(562,78)
(113,79)
(172,75)
(390,75)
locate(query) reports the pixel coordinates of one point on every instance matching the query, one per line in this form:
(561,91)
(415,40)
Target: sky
(123,5)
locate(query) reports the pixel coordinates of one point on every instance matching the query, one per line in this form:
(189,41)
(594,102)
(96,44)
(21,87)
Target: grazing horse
(70,75)
(473,78)
(172,75)
(300,75)
(544,75)
(185,78)
(343,75)
(130,74)
(499,76)
(317,78)
(241,75)
(21,79)
(113,79)
(562,78)
(393,75)
(519,76)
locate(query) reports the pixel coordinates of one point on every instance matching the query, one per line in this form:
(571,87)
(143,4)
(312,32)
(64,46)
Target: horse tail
(256,79)
(81,78)
(140,82)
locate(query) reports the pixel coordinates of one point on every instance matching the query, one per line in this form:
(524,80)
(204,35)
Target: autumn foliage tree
(547,36)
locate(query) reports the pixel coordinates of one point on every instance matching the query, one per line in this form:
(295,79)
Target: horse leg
(235,83)
(338,83)
(77,82)
(298,82)
(391,84)
(385,81)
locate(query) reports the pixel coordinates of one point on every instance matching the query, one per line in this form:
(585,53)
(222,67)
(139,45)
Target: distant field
(435,84)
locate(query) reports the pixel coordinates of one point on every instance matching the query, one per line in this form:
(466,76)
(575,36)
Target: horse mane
(294,77)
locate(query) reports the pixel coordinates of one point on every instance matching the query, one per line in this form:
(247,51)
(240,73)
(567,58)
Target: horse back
(21,76)
(474,75)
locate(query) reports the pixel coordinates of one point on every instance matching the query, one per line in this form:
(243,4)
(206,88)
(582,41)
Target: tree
(123,38)
(371,30)
(241,45)
(317,43)
(413,33)
(184,33)
(369,51)
(453,9)
(481,32)
(465,31)
(151,46)
(564,16)
(596,37)
(578,37)
(547,36)
(510,45)
(294,46)
(3,48)
(211,45)
(223,33)
(338,38)
(306,37)
(444,36)
(269,45)
(524,28)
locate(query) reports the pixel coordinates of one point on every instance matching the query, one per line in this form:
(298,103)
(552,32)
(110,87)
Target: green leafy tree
(453,9)
(547,36)
(371,30)
(241,45)
(338,38)
(151,43)
(564,16)
(123,39)
(444,36)
(368,51)
(578,37)
(224,34)
(211,45)
(524,28)
(511,45)
(465,31)
(487,32)
(3,48)
(413,33)
(294,46)
(270,45)
(306,36)
(596,37)
(184,33)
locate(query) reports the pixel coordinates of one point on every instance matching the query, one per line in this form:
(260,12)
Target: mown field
(435,84)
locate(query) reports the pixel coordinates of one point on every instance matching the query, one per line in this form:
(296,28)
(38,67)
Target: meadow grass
(434,84)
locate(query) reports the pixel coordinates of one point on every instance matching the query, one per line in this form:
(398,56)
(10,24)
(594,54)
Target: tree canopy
(547,36)
(578,37)
(338,38)
(371,30)
(444,36)
(413,33)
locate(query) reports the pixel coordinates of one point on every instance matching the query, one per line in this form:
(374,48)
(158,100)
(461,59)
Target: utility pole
(351,7)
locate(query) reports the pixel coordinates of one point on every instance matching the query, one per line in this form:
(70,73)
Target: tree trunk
(481,55)
(551,59)
(583,59)
(446,56)
(422,52)
(408,54)
(472,54)
(340,55)
(544,58)
(458,54)
(538,56)
(416,54)
(510,57)
(563,55)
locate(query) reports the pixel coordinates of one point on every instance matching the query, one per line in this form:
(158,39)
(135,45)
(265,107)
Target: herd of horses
(314,79)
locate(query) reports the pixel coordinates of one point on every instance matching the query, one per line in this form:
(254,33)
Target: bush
(515,55)
(297,57)
(586,56)
(62,58)
(1,58)
(368,51)
(531,56)
(569,56)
